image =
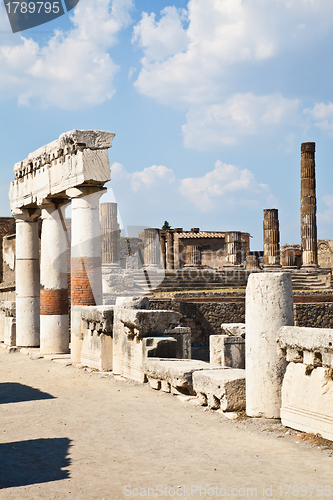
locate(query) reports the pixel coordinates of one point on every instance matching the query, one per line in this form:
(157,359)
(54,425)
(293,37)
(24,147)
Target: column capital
(80,191)
(26,214)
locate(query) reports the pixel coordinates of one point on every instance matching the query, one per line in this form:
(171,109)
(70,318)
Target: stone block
(97,350)
(133,302)
(309,339)
(227,351)
(159,347)
(294,355)
(183,338)
(221,388)
(233,329)
(177,373)
(307,400)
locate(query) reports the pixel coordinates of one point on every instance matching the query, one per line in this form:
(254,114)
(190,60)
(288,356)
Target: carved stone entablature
(79,157)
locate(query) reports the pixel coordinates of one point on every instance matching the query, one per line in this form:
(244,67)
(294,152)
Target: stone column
(169,250)
(177,261)
(86,258)
(233,248)
(54,325)
(110,234)
(269,305)
(27,278)
(271,238)
(163,248)
(152,251)
(308,206)
(192,256)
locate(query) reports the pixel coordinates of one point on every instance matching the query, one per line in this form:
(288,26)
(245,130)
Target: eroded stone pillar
(152,251)
(86,259)
(169,250)
(271,238)
(233,248)
(193,257)
(54,323)
(308,206)
(269,305)
(110,234)
(27,278)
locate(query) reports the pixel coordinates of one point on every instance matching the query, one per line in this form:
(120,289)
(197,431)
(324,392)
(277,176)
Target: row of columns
(42,296)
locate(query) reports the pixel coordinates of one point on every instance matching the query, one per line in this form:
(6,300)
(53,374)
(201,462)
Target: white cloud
(322,115)
(240,115)
(74,68)
(224,186)
(326,217)
(221,35)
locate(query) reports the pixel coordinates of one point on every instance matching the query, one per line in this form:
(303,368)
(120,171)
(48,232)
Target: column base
(54,334)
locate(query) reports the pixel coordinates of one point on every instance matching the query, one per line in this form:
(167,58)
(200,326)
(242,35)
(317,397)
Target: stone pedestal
(86,260)
(27,278)
(110,234)
(308,206)
(269,305)
(271,239)
(233,248)
(152,251)
(54,325)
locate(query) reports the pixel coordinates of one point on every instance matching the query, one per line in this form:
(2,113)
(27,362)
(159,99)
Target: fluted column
(27,278)
(308,206)
(271,238)
(193,256)
(152,251)
(54,323)
(110,234)
(169,250)
(233,248)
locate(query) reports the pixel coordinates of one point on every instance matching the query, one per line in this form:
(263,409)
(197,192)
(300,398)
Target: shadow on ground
(12,392)
(35,461)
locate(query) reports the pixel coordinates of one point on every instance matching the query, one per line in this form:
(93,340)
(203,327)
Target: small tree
(166,226)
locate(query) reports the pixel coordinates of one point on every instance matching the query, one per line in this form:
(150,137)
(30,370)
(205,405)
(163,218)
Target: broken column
(54,323)
(152,251)
(269,305)
(27,278)
(110,234)
(233,248)
(271,238)
(308,206)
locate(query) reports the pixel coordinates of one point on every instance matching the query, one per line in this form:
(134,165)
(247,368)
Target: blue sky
(209,99)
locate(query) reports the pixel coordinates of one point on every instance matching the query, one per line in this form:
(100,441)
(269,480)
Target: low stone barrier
(97,332)
(220,388)
(8,309)
(307,389)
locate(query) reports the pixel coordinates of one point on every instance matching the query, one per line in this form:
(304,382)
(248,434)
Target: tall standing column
(86,258)
(27,278)
(152,251)
(169,250)
(268,306)
(234,248)
(54,325)
(271,238)
(308,206)
(110,234)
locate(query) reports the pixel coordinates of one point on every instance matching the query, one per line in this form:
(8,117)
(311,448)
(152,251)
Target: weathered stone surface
(133,302)
(310,339)
(233,329)
(183,338)
(271,238)
(77,157)
(175,372)
(307,400)
(159,347)
(269,305)
(221,388)
(227,351)
(9,331)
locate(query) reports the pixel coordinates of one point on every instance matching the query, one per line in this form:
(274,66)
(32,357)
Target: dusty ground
(67,433)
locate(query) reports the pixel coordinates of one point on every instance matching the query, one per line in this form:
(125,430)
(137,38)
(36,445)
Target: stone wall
(314,315)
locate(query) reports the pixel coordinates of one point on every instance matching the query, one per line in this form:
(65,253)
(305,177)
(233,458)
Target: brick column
(152,252)
(27,278)
(234,248)
(169,250)
(86,258)
(271,238)
(54,325)
(110,234)
(308,206)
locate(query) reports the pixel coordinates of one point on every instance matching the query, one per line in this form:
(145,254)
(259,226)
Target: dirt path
(66,433)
